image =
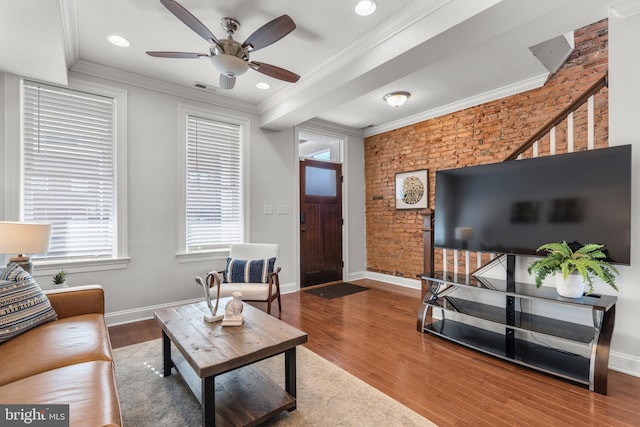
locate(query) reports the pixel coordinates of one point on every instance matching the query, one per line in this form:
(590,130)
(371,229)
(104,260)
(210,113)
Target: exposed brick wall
(487,133)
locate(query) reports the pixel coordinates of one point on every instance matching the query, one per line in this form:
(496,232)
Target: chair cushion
(248,271)
(23,305)
(250,291)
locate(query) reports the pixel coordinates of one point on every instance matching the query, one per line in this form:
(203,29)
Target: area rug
(337,290)
(327,394)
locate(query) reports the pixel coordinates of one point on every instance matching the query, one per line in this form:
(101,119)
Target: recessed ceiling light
(365,7)
(263,86)
(118,41)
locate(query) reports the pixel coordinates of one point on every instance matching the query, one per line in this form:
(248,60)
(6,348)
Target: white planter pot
(571,287)
(60,285)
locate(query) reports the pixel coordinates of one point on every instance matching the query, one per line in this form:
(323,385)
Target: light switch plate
(283,209)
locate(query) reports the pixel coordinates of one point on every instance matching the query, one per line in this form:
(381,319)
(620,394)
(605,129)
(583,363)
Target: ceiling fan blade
(275,72)
(186,55)
(269,33)
(227,82)
(189,20)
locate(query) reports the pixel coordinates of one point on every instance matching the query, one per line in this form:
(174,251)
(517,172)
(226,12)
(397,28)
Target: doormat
(337,290)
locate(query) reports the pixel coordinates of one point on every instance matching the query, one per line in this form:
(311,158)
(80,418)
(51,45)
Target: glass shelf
(522,290)
(557,362)
(523,321)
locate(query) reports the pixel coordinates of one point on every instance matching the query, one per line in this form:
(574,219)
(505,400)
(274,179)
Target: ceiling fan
(228,56)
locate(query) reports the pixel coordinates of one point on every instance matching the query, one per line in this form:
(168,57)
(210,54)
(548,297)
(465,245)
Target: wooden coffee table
(214,361)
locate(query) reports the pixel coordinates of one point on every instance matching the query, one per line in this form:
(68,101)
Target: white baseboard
(394,280)
(145,313)
(288,288)
(625,363)
(356,276)
(142,313)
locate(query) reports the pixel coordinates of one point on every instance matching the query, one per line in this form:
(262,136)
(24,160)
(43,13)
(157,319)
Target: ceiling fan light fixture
(118,41)
(396,99)
(229,65)
(365,7)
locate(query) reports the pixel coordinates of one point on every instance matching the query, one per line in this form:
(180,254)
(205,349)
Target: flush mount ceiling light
(365,7)
(396,99)
(118,41)
(263,85)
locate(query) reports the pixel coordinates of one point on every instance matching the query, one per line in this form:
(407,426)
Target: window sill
(212,255)
(46,268)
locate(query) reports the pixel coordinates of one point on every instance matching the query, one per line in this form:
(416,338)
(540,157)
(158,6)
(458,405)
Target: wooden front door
(320,222)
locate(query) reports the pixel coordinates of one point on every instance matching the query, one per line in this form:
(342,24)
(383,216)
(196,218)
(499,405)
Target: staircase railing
(577,103)
(549,128)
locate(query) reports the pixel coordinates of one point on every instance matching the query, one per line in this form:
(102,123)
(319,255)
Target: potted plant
(574,266)
(60,279)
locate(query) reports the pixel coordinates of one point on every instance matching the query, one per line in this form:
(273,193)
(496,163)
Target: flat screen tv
(514,207)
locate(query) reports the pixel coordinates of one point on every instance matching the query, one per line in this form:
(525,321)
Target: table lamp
(24,238)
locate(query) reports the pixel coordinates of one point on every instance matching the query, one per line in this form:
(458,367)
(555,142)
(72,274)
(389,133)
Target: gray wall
(155,276)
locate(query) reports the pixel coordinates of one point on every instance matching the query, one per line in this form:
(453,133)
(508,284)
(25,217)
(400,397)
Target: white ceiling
(449,54)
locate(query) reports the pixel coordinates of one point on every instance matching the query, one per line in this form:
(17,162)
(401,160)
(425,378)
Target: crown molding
(69,17)
(492,95)
(401,20)
(626,9)
(144,82)
(319,124)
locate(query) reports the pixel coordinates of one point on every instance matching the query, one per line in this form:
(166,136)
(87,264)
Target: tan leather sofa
(66,361)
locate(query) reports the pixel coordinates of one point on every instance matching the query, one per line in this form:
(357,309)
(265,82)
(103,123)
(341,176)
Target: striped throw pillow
(248,270)
(23,305)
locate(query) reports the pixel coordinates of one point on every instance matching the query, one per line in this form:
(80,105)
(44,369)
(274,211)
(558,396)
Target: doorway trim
(344,161)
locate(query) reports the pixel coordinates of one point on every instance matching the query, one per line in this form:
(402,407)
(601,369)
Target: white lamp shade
(24,237)
(230,65)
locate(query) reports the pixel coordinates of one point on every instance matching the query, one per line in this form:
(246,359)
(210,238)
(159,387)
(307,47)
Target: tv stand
(487,315)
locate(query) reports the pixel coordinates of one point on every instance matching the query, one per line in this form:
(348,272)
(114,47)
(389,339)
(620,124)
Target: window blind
(213,217)
(68,170)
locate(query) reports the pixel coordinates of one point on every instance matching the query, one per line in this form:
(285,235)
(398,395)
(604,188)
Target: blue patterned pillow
(23,305)
(248,270)
(14,273)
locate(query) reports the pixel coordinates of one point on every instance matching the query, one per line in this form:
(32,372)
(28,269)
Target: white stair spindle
(455,262)
(466,262)
(570,133)
(444,260)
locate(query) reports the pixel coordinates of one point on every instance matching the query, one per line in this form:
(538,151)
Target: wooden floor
(373,335)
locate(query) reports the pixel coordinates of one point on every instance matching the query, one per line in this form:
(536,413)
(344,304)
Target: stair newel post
(427,237)
(428,268)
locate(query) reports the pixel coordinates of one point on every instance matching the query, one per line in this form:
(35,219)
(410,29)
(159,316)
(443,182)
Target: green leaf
(588,261)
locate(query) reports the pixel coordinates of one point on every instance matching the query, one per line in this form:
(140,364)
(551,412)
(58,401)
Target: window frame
(14,172)
(184,111)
